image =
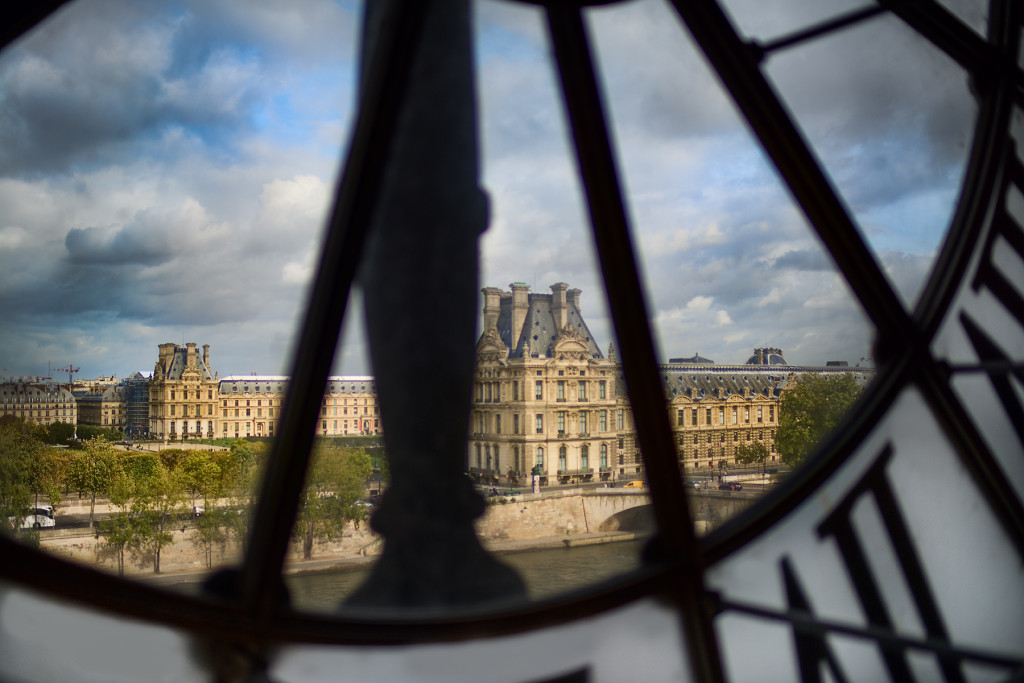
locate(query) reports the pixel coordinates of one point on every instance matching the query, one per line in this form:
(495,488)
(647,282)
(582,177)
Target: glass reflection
(890,116)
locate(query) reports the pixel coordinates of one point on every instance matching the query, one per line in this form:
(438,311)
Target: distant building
(250,405)
(183,394)
(544,397)
(103,406)
(544,394)
(41,403)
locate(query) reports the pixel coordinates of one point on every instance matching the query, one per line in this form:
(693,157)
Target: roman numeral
(811,645)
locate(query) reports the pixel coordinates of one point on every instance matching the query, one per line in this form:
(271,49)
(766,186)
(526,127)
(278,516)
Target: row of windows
(185,427)
(344,402)
(185,412)
(259,402)
(584,422)
(184,394)
(17,412)
(488,456)
(355,410)
(490,392)
(719,415)
(248,428)
(248,412)
(723,437)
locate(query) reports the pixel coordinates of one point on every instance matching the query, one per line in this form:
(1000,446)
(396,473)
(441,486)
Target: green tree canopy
(753,453)
(93,470)
(810,410)
(200,476)
(156,505)
(20,448)
(59,432)
(336,481)
(246,464)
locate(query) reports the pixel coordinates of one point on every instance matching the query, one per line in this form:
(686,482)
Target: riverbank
(341,562)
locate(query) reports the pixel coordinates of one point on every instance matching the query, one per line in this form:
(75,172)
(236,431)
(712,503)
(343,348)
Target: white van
(39,517)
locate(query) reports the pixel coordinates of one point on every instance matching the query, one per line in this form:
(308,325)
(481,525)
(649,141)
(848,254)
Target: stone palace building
(545,396)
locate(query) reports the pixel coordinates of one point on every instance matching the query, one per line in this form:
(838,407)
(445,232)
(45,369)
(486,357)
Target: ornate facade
(251,406)
(188,400)
(544,395)
(41,403)
(183,394)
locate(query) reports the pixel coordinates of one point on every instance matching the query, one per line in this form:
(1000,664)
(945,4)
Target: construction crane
(70,369)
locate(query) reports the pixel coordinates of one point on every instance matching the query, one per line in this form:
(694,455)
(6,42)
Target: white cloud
(191,151)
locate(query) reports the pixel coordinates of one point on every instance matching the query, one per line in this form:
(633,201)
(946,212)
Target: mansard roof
(179,364)
(719,385)
(336,384)
(540,329)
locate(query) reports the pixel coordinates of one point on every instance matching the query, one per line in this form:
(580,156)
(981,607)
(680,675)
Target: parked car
(635,484)
(730,486)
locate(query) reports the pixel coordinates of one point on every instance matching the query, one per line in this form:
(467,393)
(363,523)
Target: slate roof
(179,362)
(539,328)
(712,382)
(336,384)
(695,359)
(698,385)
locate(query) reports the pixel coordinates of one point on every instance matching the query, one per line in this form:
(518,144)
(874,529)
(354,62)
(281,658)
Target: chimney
(492,307)
(165,356)
(206,356)
(558,304)
(520,307)
(190,357)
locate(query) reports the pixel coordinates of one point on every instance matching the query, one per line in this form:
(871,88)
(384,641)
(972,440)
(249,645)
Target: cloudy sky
(166,167)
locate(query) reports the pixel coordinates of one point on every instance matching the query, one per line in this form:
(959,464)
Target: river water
(545,572)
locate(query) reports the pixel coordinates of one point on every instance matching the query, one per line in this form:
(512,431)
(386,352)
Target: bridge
(576,511)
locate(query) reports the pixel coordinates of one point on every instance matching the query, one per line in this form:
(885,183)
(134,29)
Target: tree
(19,450)
(810,410)
(59,432)
(48,471)
(200,476)
(336,481)
(752,454)
(121,528)
(158,502)
(91,471)
(87,432)
(172,457)
(246,462)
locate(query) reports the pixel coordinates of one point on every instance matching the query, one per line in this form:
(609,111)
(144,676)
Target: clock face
(894,552)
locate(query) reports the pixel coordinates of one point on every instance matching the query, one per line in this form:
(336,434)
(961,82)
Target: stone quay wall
(519,518)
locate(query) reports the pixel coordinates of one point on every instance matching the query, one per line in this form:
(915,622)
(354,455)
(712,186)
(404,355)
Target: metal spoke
(383,90)
(597,167)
